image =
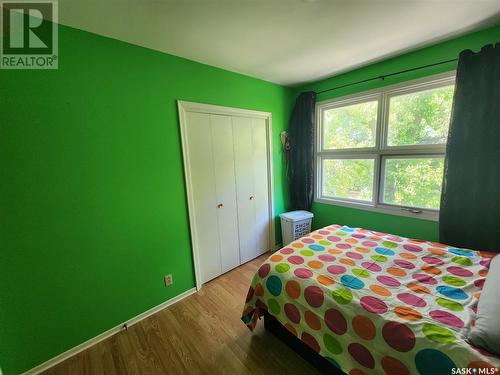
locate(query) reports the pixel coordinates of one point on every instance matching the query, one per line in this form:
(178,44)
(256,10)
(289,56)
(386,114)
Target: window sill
(385,209)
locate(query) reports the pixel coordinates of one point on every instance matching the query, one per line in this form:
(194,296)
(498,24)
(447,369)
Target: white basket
(295,224)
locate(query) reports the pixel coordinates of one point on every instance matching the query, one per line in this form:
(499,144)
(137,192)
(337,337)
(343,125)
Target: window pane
(420,118)
(352,126)
(413,182)
(348,178)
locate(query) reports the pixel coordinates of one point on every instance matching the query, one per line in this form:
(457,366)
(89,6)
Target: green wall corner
(93,200)
(326,214)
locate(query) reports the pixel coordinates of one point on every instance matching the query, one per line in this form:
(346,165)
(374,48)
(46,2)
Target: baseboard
(277,247)
(87,344)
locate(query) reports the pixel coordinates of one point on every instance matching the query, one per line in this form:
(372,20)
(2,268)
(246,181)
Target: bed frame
(320,363)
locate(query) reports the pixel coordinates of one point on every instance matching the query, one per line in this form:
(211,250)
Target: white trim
(270,176)
(220,110)
(183,107)
(103,336)
(381,150)
(382,208)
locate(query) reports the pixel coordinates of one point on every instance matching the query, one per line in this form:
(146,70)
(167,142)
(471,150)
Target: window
(351,126)
(384,150)
(349,178)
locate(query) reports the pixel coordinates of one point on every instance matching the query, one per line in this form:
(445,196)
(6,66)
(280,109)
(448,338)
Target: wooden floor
(202,334)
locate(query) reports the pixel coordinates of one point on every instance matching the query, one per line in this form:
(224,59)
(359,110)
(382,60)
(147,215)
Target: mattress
(376,303)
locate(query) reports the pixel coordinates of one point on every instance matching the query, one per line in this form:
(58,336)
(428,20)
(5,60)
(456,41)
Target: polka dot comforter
(371,302)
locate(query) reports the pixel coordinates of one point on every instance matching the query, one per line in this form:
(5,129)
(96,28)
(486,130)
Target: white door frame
(185,106)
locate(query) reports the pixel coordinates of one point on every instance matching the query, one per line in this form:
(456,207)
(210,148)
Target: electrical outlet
(168,280)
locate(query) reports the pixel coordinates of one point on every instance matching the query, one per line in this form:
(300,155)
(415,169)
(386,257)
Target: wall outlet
(168,280)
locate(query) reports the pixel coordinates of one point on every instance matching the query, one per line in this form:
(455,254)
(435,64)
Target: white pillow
(486,332)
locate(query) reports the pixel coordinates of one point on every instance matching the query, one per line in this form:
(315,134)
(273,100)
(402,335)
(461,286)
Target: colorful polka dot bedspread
(375,303)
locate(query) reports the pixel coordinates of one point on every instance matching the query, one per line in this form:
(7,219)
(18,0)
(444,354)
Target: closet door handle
(220,205)
(252,197)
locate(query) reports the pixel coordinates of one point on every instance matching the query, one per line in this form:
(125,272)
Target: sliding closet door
(261,185)
(203,193)
(225,187)
(226,152)
(244,164)
(250,150)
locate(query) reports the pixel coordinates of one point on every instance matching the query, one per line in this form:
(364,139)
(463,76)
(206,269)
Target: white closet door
(225,187)
(201,170)
(261,185)
(244,165)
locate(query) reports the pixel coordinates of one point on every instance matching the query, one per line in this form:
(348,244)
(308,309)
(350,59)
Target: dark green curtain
(301,153)
(470,202)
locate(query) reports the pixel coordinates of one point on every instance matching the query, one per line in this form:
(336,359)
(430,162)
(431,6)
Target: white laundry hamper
(295,224)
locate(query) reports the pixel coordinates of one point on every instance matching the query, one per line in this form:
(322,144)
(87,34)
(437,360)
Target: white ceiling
(282,41)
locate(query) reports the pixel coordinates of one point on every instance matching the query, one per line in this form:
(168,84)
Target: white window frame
(381,151)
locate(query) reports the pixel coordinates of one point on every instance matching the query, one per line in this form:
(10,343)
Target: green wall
(327,214)
(92,197)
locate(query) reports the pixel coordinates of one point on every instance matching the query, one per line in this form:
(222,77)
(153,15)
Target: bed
(370,302)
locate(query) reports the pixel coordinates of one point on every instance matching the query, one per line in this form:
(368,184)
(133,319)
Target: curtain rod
(382,77)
